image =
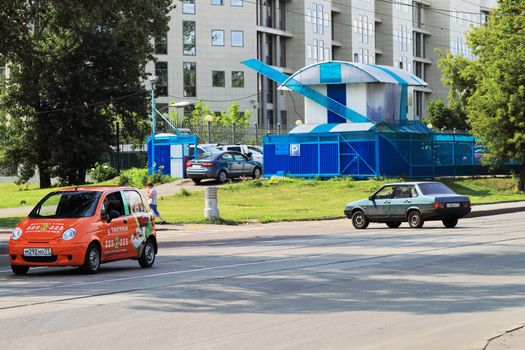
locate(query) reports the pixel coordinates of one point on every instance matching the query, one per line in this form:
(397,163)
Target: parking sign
(295,150)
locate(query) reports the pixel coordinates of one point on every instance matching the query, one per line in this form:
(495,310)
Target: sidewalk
(477,210)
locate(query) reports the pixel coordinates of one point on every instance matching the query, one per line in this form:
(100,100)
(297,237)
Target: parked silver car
(222,166)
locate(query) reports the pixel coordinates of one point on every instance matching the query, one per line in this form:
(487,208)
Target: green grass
(280,199)
(295,199)
(12,195)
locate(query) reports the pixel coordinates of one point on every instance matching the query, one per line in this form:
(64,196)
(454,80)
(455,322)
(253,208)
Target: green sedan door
(380,203)
(401,201)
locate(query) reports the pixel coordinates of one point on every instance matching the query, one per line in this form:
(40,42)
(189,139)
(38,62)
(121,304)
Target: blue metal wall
(372,154)
(162,158)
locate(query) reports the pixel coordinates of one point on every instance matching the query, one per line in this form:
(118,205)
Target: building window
(320,22)
(161,71)
(309,51)
(236,2)
(484,16)
(314,17)
(237,38)
(188,7)
(217,2)
(188,38)
(161,45)
(218,78)
(283,52)
(190,79)
(237,79)
(217,37)
(365,29)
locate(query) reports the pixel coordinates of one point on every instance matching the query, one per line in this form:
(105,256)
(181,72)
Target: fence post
(233,132)
(279,128)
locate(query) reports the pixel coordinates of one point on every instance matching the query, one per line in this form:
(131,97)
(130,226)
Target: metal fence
(229,134)
(373,154)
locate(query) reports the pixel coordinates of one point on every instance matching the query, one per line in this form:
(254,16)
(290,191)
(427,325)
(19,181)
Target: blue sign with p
(295,150)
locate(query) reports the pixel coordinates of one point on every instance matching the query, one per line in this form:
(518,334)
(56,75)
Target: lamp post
(298,122)
(208,119)
(256,133)
(153,80)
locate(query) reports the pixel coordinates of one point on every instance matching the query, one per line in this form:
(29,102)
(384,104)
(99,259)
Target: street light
(429,125)
(153,80)
(208,119)
(256,132)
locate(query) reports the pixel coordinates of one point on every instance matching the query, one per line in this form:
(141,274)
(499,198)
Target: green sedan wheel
(359,220)
(415,220)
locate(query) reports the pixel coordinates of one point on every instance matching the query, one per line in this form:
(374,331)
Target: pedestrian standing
(152,201)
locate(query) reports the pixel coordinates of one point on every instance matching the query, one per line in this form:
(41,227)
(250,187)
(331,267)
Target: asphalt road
(316,285)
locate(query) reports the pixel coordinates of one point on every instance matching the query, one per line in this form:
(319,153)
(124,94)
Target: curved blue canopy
(339,72)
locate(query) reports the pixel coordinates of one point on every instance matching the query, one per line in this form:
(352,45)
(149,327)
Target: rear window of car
(255,149)
(435,188)
(204,156)
(210,149)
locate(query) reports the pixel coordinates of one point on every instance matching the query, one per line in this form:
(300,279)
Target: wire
(87,105)
(294,107)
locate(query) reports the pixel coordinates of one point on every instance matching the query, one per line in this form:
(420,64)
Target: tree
(75,67)
(234,115)
(458,73)
(495,89)
(451,116)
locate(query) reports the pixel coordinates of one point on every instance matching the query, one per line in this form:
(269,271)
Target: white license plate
(452,205)
(196,167)
(37,252)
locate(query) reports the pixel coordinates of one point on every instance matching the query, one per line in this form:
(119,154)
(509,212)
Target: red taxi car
(84,227)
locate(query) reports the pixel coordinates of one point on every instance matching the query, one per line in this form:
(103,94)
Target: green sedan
(412,202)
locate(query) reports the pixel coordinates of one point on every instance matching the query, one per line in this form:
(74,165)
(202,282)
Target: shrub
(139,177)
(255,183)
(184,192)
(102,172)
(278,180)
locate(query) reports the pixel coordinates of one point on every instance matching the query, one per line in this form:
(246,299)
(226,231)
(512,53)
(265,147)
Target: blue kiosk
(172,152)
(356,125)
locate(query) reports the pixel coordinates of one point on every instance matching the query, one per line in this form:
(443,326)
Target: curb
(480,213)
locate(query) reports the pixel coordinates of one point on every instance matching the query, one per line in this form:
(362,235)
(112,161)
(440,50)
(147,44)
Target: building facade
(200,58)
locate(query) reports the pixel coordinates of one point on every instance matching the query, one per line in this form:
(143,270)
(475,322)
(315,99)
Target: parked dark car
(415,202)
(222,166)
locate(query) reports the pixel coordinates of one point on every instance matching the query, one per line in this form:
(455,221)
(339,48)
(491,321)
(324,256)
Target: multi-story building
(200,58)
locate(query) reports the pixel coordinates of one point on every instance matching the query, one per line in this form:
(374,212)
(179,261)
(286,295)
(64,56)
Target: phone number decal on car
(116,243)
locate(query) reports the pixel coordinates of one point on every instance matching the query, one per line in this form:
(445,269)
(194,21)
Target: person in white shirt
(152,201)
